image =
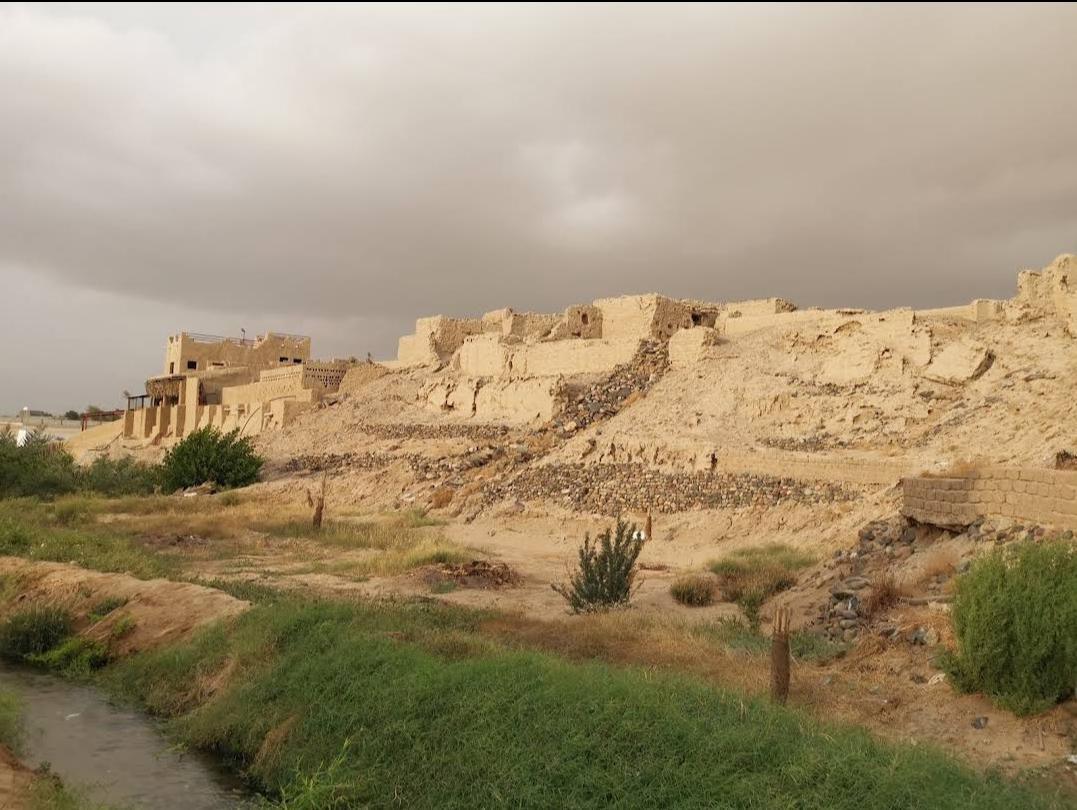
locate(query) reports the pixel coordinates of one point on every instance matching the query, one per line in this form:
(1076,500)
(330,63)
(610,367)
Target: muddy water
(115,755)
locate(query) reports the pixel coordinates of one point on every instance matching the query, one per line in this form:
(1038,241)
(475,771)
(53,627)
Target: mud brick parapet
(1047,497)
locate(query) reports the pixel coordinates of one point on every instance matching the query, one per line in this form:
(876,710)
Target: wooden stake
(647,531)
(779,656)
(318,504)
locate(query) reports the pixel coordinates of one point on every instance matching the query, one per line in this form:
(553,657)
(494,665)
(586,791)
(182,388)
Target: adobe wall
(483,356)
(1052,291)
(571,357)
(359,375)
(437,338)
(691,346)
(514,402)
(273,384)
(636,317)
(583,321)
(267,352)
(1047,497)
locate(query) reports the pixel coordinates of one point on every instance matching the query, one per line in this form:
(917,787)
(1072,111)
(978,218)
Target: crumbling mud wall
(1047,497)
(1052,291)
(508,402)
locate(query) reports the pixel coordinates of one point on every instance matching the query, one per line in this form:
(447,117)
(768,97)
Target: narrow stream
(115,755)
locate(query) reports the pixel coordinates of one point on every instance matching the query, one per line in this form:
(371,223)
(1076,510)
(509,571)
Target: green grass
(30,529)
(405,704)
(12,731)
(47,792)
(750,576)
(740,636)
(33,631)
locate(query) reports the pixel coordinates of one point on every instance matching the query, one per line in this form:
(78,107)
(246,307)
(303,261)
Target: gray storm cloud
(349,168)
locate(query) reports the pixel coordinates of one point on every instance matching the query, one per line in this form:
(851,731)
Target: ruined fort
(649,403)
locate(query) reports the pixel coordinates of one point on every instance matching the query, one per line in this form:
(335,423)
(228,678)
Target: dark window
(192,364)
(297,360)
(171,368)
(583,318)
(697,319)
(282,360)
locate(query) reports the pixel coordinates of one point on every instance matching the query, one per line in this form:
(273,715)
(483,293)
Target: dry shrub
(939,561)
(441,498)
(694,590)
(886,592)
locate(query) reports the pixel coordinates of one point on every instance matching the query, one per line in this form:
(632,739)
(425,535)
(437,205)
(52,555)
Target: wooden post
(318,504)
(779,656)
(647,531)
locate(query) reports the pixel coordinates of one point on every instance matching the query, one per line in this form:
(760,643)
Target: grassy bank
(407,704)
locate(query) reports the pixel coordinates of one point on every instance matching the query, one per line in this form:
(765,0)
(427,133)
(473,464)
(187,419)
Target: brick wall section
(1047,497)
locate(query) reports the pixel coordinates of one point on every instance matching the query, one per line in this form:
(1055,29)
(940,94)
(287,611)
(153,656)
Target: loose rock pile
(810,444)
(427,432)
(883,542)
(606,398)
(613,489)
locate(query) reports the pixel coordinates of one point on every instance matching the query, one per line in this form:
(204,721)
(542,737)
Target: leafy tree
(71,415)
(207,455)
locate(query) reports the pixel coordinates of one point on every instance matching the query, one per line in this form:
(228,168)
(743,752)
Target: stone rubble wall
(1047,497)
(614,489)
(836,467)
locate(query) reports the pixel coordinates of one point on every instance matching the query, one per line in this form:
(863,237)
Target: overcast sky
(339,171)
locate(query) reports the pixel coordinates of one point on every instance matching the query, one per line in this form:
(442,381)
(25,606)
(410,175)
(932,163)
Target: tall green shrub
(1015,618)
(40,467)
(606,570)
(207,455)
(114,477)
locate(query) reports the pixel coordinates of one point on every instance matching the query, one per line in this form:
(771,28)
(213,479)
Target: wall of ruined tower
(1052,291)
(437,338)
(691,346)
(509,402)
(1047,497)
(634,317)
(360,375)
(571,357)
(583,321)
(268,352)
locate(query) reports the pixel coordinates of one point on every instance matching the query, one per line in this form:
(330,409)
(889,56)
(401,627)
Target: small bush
(207,455)
(885,592)
(693,590)
(1014,616)
(33,631)
(606,571)
(751,576)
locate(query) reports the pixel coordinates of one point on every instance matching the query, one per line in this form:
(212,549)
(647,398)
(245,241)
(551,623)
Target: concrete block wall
(1047,497)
